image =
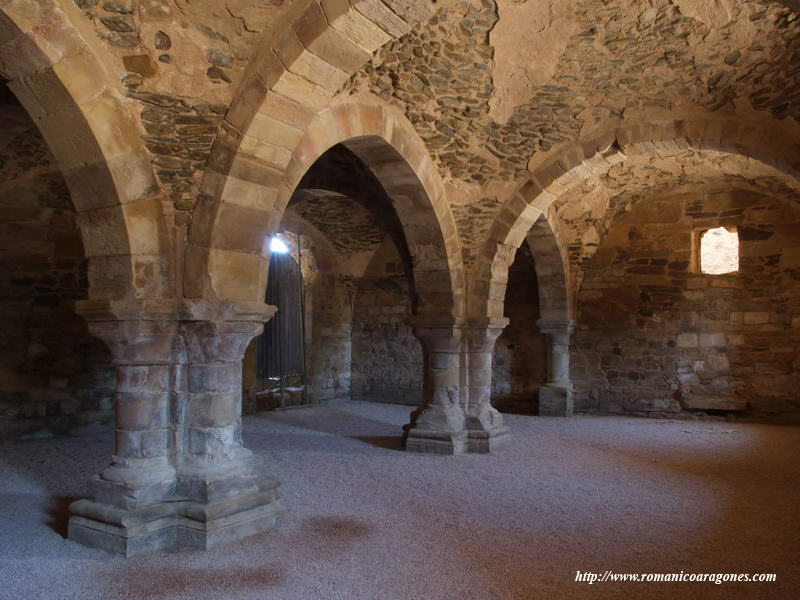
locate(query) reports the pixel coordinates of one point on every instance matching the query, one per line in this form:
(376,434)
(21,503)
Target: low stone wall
(655,337)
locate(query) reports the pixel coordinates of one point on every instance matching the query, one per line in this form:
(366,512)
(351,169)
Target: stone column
(180,476)
(484,422)
(555,397)
(129,494)
(438,426)
(229,496)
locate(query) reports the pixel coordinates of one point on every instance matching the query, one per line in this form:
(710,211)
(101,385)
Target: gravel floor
(367,521)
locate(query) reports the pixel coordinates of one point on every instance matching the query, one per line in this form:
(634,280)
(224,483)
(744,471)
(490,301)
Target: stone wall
(54,376)
(329,306)
(519,364)
(657,337)
(387,357)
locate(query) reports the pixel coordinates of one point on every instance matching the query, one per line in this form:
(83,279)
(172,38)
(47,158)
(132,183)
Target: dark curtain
(280,347)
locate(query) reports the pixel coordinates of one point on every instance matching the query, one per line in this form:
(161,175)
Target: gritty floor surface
(366,521)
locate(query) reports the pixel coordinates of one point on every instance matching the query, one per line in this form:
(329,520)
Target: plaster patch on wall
(528,41)
(714,13)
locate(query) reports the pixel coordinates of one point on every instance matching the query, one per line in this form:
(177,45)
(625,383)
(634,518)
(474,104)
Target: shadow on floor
(344,423)
(516,406)
(58,511)
(389,442)
(34,525)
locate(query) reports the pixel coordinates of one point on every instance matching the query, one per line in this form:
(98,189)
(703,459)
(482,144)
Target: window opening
(719,251)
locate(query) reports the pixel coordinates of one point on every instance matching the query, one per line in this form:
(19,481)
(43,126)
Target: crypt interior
(398,298)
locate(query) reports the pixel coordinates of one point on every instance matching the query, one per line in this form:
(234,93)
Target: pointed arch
(227,239)
(552,277)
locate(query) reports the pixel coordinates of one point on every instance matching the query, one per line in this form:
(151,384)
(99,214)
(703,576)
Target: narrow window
(719,251)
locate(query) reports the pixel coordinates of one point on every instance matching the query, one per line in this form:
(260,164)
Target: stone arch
(241,207)
(555,301)
(63,82)
(594,157)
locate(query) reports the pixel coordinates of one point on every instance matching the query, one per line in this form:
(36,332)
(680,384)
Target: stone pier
(555,397)
(484,422)
(457,415)
(180,476)
(439,425)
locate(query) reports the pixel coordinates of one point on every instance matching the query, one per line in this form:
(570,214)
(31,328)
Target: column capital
(430,321)
(483,333)
(170,309)
(439,335)
(426,326)
(215,331)
(222,311)
(566,327)
(134,340)
(146,331)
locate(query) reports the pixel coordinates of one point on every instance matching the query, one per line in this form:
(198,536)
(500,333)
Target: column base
(129,494)
(178,524)
(485,428)
(487,440)
(555,401)
(436,442)
(437,429)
